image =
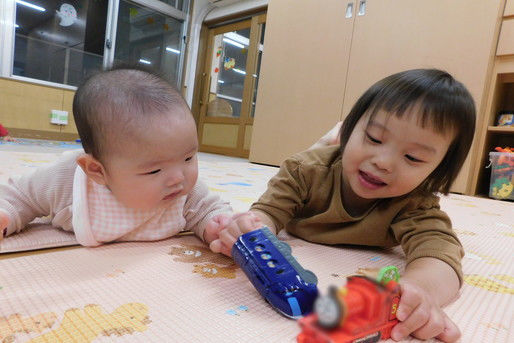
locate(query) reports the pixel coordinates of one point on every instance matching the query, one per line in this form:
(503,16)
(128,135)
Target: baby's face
(156,166)
(390,156)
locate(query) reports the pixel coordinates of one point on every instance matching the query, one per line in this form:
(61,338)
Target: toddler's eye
(153,172)
(412,159)
(373,140)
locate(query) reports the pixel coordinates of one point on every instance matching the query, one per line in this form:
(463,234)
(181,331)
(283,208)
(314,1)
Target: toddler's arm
(427,285)
(433,273)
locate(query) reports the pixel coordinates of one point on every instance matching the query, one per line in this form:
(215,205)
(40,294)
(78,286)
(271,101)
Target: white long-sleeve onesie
(62,192)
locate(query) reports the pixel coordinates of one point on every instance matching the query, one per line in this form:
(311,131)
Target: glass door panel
(228,85)
(149,38)
(228,70)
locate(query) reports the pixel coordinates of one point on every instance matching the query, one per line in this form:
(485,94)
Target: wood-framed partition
(224,112)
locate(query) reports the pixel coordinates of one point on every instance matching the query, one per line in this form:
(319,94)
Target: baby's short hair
(117,101)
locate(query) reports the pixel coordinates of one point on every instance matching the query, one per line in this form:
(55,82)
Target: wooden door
(303,76)
(229,85)
(395,35)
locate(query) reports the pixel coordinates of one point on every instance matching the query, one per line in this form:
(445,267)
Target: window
(59,41)
(63,41)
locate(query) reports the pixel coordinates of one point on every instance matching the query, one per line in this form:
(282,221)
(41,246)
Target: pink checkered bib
(99,218)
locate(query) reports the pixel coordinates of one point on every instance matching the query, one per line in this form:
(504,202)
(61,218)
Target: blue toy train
(275,273)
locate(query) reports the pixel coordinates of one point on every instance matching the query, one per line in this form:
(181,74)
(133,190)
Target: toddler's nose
(384,162)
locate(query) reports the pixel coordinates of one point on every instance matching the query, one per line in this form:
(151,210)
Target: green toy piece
(387,274)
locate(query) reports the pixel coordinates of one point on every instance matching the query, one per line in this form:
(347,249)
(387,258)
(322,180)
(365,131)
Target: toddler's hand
(241,223)
(4,221)
(420,317)
(332,136)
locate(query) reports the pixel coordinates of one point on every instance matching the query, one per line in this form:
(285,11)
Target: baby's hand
(214,226)
(241,223)
(420,317)
(4,221)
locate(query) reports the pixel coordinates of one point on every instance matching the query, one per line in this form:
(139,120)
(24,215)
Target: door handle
(349,10)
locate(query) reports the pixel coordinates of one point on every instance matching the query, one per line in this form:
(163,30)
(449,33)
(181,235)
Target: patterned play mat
(176,290)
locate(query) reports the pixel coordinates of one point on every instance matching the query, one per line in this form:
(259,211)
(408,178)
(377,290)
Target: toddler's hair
(116,103)
(443,103)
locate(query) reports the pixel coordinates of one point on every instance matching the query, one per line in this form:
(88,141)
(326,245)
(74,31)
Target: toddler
(137,178)
(404,140)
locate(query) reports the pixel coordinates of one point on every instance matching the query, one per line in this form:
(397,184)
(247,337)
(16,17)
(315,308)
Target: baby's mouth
(172,195)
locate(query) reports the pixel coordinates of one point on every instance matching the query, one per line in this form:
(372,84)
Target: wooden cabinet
(303,76)
(311,79)
(500,98)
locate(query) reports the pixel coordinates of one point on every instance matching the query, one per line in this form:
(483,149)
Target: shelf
(501,129)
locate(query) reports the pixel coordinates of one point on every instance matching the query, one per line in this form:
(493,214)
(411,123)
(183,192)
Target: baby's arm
(205,213)
(42,192)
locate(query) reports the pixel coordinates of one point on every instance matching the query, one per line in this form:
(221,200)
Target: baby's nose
(175,178)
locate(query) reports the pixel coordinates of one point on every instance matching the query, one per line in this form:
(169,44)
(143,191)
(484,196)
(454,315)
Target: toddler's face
(156,166)
(390,156)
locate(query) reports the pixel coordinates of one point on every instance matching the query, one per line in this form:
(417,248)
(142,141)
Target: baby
(137,178)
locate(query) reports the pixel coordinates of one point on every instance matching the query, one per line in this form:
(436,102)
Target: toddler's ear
(93,168)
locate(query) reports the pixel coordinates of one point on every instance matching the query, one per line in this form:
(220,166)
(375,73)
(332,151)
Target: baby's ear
(93,168)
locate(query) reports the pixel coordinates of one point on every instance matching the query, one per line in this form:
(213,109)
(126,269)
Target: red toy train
(362,311)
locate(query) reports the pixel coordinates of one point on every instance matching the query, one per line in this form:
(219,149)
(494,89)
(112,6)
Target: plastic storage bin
(502,175)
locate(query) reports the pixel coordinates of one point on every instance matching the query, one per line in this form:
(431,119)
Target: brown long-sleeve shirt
(305,198)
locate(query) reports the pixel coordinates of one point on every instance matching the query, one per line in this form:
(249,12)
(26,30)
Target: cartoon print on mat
(198,254)
(212,265)
(16,323)
(241,308)
(211,270)
(476,256)
(464,232)
(92,322)
(491,284)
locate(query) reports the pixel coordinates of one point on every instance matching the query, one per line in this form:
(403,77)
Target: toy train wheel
(328,309)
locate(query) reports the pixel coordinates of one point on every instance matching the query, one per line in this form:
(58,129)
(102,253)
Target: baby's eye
(189,158)
(413,159)
(373,140)
(153,172)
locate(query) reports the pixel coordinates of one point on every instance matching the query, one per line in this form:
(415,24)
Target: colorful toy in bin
(275,273)
(362,311)
(505,118)
(502,174)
